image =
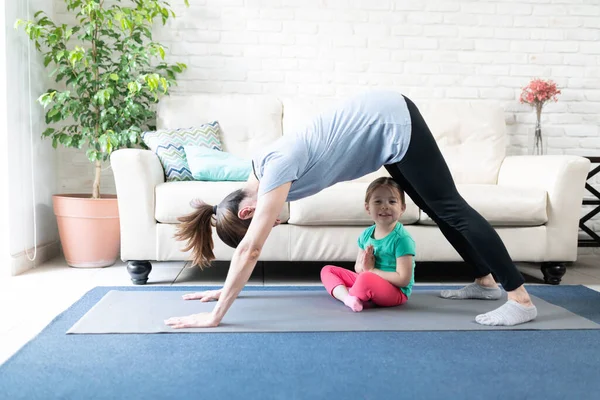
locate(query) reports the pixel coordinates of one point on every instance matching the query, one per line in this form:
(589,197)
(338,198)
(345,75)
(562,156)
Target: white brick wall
(427,49)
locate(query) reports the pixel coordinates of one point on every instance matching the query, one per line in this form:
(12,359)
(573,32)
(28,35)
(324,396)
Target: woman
(373,129)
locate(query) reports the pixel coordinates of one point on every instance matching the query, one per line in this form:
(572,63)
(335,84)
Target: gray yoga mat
(306,311)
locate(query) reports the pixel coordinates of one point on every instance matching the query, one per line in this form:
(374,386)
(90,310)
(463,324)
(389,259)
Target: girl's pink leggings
(366,286)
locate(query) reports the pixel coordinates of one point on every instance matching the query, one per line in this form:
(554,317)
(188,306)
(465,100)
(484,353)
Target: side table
(595,238)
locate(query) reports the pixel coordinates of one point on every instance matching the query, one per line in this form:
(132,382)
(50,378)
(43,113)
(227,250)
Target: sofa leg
(553,272)
(139,271)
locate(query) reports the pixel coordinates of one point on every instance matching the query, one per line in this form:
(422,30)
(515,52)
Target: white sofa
(533,202)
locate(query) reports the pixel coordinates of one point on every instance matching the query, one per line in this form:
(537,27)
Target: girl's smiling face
(385,205)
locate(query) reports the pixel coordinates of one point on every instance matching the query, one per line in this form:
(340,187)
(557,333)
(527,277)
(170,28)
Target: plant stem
(96,189)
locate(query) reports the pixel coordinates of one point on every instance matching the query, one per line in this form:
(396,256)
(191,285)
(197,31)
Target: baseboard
(20,262)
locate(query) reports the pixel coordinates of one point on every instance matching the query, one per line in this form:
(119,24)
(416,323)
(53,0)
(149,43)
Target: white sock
(354,303)
(473,291)
(509,314)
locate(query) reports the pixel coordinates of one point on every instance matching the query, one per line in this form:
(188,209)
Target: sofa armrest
(563,178)
(137,172)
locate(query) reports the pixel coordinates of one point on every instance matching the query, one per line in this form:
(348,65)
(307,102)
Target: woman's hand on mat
(208,295)
(201,320)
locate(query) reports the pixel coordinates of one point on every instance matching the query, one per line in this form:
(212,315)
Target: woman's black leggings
(425,177)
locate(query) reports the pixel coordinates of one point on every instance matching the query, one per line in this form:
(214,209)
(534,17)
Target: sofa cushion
(173,198)
(471,136)
(341,204)
(503,205)
(216,166)
(248,122)
(168,144)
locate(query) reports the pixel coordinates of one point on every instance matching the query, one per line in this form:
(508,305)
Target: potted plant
(109,73)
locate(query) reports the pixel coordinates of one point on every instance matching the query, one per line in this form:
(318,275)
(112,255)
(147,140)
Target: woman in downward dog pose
(385,263)
(373,129)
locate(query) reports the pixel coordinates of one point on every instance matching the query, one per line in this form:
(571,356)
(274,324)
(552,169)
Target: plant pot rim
(86,196)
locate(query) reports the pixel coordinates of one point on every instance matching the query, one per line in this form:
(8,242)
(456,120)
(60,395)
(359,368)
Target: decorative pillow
(168,144)
(214,165)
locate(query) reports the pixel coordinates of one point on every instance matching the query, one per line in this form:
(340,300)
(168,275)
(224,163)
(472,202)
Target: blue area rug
(321,365)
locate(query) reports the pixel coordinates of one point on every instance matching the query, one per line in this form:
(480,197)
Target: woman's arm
(243,261)
(247,253)
(403,274)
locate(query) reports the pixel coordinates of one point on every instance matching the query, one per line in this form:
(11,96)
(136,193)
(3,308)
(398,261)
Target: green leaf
(133,87)
(91,154)
(187,3)
(18,23)
(114,77)
(164,84)
(46,98)
(48,132)
(161,50)
(53,112)
(57,117)
(65,139)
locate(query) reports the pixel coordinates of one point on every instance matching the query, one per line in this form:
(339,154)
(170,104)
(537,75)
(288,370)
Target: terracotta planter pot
(88,229)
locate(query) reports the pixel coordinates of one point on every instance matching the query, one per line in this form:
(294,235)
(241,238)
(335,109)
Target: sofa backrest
(470,135)
(247,122)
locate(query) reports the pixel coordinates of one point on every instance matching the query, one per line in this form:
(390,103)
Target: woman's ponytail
(196,229)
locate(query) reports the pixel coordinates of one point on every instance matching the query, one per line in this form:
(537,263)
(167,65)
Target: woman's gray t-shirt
(363,134)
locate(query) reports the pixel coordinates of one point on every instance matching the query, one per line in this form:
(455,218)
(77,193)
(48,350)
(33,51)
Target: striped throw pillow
(168,144)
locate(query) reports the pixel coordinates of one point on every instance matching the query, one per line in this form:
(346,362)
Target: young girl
(385,263)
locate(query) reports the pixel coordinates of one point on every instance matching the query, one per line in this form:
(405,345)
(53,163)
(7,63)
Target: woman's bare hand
(202,320)
(205,296)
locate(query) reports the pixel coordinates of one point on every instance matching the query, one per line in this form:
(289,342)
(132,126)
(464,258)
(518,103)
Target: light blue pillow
(214,165)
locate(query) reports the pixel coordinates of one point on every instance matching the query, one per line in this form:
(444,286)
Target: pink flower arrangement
(536,94)
(539,92)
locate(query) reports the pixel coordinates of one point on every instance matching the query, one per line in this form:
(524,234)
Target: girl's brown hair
(384,181)
(196,227)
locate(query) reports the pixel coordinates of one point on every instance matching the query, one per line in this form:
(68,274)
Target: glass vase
(537,144)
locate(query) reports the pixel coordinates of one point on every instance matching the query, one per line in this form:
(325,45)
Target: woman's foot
(517,310)
(510,314)
(484,288)
(473,291)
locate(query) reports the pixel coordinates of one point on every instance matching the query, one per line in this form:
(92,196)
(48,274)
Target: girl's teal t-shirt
(396,244)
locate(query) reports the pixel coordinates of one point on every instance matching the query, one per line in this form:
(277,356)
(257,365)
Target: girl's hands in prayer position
(367,259)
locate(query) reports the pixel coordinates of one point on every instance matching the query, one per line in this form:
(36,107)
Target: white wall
(26,154)
(427,49)
(4,230)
